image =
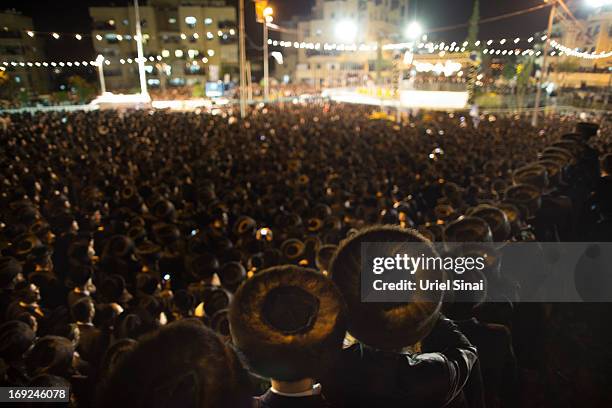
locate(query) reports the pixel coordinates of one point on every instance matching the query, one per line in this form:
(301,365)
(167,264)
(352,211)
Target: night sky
(72,16)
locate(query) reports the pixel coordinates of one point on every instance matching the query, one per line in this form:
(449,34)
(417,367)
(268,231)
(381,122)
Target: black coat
(497,361)
(369,377)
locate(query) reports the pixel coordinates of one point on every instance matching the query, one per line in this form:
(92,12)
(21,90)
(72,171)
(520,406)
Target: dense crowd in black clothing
(178,259)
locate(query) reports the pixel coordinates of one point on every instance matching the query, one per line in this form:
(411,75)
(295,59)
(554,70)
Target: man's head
(384,325)
(83,311)
(288,322)
(183,364)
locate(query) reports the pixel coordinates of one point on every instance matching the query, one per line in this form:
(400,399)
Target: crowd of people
(160,259)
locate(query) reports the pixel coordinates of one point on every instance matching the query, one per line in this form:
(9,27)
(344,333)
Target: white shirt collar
(316,390)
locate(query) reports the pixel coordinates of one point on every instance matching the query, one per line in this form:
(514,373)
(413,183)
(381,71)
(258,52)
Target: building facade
(18,50)
(185,42)
(347,22)
(592,34)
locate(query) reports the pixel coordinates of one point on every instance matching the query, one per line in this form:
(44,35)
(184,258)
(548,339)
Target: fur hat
(524,195)
(288,322)
(533,174)
(468,229)
(497,220)
(387,326)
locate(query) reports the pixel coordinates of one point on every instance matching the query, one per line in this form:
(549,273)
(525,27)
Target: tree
(473,24)
(523,77)
(509,71)
(8,87)
(83,89)
(198,91)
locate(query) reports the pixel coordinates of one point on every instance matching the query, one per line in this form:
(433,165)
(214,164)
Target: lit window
(178,53)
(172,20)
(211,53)
(208,21)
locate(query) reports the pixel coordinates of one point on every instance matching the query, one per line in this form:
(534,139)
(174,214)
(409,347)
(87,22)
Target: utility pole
(242,61)
(249,83)
(141,59)
(544,68)
(265,62)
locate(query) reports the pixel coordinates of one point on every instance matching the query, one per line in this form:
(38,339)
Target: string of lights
(330,46)
(575,52)
(232,32)
(442,45)
(126,37)
(83,63)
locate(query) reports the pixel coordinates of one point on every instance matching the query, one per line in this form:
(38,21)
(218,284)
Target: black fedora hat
(164,210)
(215,299)
(119,246)
(219,322)
(588,130)
(245,226)
(231,275)
(387,326)
(203,266)
(288,322)
(10,268)
(166,234)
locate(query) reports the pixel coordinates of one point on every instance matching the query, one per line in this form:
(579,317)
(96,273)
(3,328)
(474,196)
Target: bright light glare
(346,31)
(414,30)
(278,57)
(598,3)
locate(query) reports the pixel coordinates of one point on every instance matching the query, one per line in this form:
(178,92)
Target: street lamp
(414,30)
(267,15)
